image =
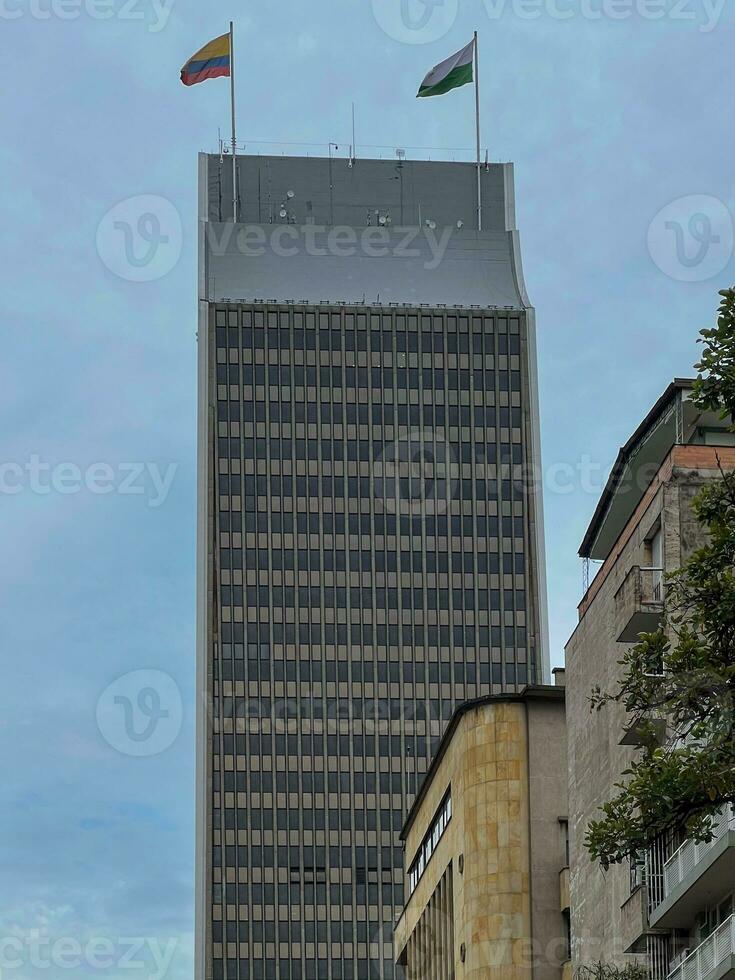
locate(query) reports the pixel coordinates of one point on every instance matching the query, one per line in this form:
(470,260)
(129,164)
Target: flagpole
(234,139)
(477,133)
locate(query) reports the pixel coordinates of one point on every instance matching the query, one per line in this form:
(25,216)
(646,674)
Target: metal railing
(684,861)
(656,857)
(651,584)
(643,584)
(708,955)
(658,949)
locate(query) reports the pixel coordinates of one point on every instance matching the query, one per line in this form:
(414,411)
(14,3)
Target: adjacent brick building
(643,528)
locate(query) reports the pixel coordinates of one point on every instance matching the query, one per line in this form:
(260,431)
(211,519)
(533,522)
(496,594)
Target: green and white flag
(452,73)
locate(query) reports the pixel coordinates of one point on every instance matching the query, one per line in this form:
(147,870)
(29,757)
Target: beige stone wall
(602,922)
(493,916)
(547,752)
(489,837)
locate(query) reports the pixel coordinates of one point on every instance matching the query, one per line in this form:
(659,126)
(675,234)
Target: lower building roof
(532,692)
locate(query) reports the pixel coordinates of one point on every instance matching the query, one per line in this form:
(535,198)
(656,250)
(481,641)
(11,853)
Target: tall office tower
(370,534)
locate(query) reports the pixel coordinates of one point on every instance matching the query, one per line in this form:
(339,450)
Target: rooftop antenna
(331,184)
(353,147)
(401,154)
(487,161)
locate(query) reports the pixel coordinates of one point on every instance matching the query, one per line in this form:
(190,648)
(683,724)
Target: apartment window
(657,564)
(725,909)
(637,865)
(710,918)
(564,826)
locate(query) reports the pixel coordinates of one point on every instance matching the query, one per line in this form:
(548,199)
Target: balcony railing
(685,860)
(639,603)
(705,959)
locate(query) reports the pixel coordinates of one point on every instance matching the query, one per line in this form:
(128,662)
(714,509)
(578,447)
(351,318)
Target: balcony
(634,920)
(639,603)
(714,959)
(697,875)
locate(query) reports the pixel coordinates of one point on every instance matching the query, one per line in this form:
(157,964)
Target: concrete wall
(547,752)
(330,246)
(595,757)
(606,917)
(330,191)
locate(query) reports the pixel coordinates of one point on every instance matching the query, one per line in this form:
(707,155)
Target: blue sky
(611,111)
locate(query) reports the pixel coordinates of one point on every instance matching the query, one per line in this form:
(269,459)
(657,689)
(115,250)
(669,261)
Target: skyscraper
(370,540)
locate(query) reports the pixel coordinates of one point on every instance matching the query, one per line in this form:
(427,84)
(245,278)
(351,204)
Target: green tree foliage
(685,672)
(715,386)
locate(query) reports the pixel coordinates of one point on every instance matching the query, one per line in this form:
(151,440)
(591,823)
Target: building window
(428,845)
(564,826)
(637,871)
(657,564)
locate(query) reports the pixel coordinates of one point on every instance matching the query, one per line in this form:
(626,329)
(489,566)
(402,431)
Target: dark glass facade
(371,565)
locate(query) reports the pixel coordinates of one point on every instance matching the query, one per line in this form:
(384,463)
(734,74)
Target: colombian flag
(211,61)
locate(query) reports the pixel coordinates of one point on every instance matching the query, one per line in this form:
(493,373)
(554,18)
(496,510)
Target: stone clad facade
(487,902)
